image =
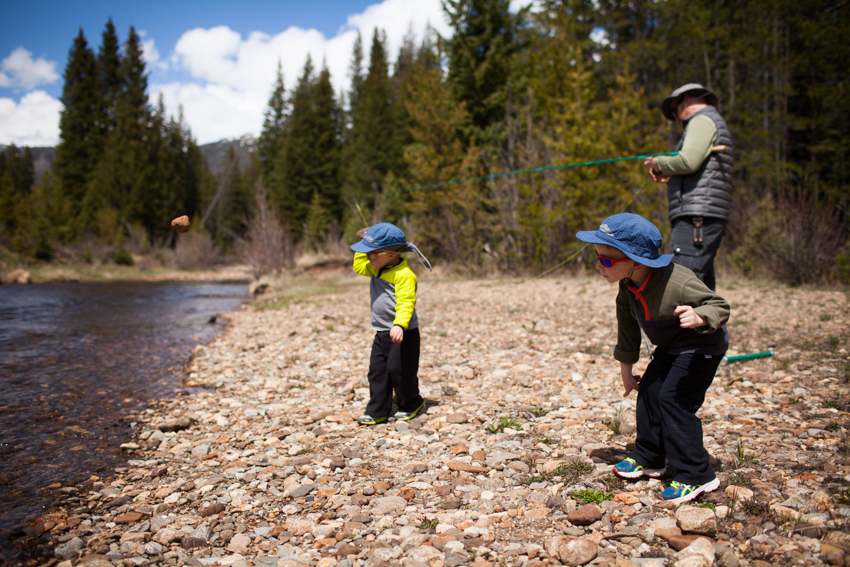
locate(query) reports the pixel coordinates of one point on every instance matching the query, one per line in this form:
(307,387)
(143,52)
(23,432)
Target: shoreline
(266,466)
(86,274)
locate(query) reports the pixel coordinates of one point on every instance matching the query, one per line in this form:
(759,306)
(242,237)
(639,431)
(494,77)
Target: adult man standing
(699,181)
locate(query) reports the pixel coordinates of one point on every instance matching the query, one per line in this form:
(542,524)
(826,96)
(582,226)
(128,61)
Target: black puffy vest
(707,192)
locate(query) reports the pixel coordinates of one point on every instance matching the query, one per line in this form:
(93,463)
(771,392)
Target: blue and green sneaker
(630,469)
(678,492)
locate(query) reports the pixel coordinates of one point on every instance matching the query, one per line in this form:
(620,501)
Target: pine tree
(317,222)
(310,158)
(109,83)
(480,55)
(77,154)
(446,217)
(273,134)
(328,119)
(369,152)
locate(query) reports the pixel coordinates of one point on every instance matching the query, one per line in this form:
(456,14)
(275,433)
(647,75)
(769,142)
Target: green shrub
(121,256)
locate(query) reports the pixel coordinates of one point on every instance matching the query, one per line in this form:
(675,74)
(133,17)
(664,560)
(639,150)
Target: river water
(77,363)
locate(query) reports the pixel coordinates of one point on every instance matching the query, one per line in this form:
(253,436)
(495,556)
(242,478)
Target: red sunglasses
(374,255)
(608,262)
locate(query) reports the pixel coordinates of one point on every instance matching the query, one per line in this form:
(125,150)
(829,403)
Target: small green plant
(739,480)
(538,411)
(305,451)
(826,317)
(613,482)
(742,456)
(443,334)
(502,423)
(754,508)
(545,440)
(594,495)
(329,328)
(616,422)
(709,505)
(573,470)
(429,524)
(569,470)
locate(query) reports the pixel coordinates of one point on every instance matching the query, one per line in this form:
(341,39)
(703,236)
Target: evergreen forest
(562,82)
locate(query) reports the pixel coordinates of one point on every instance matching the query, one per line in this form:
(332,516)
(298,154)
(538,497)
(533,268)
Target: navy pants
(670,393)
(697,255)
(394,367)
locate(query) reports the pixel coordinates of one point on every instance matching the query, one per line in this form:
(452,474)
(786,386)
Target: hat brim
(364,246)
(669,104)
(595,237)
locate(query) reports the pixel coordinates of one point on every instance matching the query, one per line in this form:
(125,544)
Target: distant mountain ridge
(214,152)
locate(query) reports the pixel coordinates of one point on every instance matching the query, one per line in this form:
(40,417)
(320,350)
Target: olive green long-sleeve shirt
(653,311)
(700,135)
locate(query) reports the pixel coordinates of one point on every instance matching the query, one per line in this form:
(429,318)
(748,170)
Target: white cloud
(19,70)
(33,122)
(233,76)
(150,53)
(229,78)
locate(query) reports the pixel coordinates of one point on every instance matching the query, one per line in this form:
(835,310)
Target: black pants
(671,391)
(394,366)
(697,256)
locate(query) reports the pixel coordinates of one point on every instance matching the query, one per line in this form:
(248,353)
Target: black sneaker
(366,419)
(408,415)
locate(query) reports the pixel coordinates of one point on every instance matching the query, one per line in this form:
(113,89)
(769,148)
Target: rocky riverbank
(265,466)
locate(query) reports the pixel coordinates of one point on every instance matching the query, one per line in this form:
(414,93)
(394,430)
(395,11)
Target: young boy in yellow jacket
(394,362)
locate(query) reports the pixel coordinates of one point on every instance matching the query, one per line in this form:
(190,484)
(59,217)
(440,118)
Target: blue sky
(218,59)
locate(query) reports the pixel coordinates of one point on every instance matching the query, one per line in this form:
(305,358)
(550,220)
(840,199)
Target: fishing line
(535,170)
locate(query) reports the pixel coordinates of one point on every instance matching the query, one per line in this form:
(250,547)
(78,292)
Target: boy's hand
(688,318)
(630,381)
(396,334)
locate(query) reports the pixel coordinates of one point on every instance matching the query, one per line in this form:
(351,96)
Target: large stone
(69,549)
(585,515)
(700,553)
(176,424)
(387,505)
(697,520)
(680,542)
(239,544)
(572,551)
(466,467)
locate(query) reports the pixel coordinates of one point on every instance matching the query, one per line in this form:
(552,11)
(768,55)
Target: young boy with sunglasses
(394,362)
(685,320)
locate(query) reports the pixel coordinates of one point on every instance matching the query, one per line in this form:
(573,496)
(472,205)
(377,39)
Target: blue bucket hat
(387,235)
(632,235)
(380,236)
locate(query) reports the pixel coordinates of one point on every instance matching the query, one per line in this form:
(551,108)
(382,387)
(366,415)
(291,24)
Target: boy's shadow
(612,455)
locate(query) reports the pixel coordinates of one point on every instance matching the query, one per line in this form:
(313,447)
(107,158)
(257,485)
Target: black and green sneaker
(408,415)
(366,419)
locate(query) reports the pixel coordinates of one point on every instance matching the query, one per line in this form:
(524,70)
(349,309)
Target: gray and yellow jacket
(392,292)
(651,308)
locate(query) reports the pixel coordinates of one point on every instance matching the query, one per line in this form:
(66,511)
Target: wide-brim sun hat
(669,104)
(387,236)
(632,235)
(380,236)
